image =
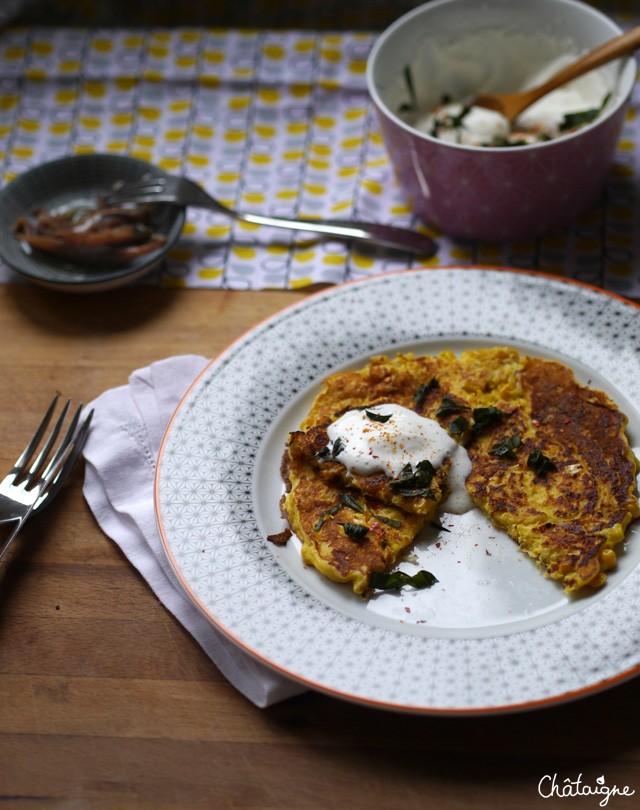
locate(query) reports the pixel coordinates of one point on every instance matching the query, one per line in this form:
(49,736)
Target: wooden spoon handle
(607,52)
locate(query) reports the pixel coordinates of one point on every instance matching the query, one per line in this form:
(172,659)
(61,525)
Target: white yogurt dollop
(475,127)
(385,438)
(545,119)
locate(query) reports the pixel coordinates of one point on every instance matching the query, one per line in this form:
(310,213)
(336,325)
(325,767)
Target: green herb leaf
(415,483)
(349,501)
(458,426)
(356,531)
(330,450)
(436,125)
(484,417)
(506,448)
(412,104)
(456,121)
(389,521)
(540,463)
(324,515)
(378,417)
(423,390)
(398,579)
(577,119)
(449,406)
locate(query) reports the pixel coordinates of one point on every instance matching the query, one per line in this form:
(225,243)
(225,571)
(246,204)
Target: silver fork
(32,482)
(184,192)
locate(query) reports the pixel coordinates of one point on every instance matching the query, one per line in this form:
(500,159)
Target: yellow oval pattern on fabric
(243,252)
(239,102)
(42,48)
(363,262)
(210,272)
(300,283)
(122,119)
(14,52)
(269,95)
(203,131)
(273,51)
(125,83)
(304,255)
(265,131)
(102,45)
(218,231)
(60,127)
(249,120)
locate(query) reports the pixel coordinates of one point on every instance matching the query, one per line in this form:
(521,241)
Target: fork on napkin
(120,460)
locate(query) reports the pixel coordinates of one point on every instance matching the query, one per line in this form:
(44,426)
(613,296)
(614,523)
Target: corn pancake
(319,512)
(568,517)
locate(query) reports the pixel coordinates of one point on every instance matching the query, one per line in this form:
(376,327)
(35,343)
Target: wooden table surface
(105,701)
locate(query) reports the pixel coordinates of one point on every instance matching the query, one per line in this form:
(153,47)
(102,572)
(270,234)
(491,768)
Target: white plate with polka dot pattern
(493,634)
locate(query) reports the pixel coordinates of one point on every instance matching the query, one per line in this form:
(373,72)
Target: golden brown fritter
(569,516)
(550,464)
(323,515)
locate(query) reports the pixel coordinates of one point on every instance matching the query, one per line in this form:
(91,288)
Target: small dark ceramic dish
(67,181)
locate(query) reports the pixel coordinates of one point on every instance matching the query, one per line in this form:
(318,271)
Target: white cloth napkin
(120,453)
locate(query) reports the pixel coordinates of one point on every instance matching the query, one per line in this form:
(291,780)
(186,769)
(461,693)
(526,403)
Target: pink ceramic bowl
(459,47)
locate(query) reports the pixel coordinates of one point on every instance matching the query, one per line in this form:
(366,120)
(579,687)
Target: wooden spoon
(512,104)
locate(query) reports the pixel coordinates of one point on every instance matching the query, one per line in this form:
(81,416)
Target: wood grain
(105,700)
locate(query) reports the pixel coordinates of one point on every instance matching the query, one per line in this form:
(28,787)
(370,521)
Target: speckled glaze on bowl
(497,194)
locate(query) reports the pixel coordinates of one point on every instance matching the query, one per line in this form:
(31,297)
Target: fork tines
(46,466)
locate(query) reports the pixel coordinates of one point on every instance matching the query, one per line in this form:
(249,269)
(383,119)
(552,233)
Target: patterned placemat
(273,121)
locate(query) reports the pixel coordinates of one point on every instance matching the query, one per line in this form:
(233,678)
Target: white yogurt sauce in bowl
(442,77)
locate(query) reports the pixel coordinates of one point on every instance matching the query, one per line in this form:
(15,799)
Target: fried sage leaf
(449,406)
(540,463)
(423,390)
(395,580)
(414,483)
(355,531)
(484,417)
(350,502)
(378,417)
(506,448)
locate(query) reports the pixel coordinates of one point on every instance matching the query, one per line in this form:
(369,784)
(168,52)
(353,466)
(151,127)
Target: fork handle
(373,232)
(12,536)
